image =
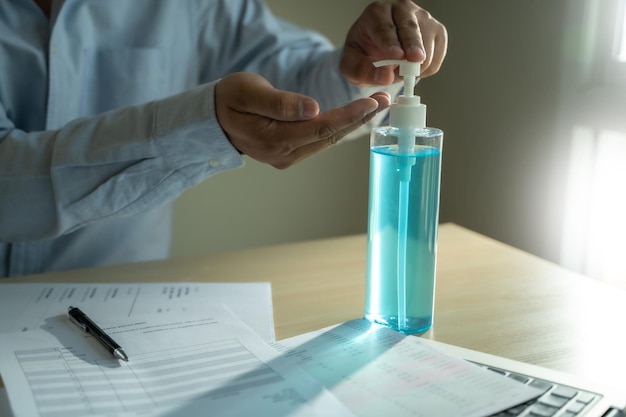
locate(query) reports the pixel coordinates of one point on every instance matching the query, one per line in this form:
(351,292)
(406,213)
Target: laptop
(564,395)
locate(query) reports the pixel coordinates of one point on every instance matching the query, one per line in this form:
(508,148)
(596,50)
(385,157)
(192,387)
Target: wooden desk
(490,297)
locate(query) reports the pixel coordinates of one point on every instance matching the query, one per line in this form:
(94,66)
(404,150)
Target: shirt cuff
(190,137)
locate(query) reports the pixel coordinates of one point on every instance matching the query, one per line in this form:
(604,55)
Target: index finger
(329,125)
(408,31)
(312,136)
(380,29)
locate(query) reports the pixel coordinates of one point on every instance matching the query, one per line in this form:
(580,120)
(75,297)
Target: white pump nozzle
(407,112)
(410,71)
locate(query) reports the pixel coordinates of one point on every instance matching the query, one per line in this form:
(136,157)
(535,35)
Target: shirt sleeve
(117,163)
(290,57)
(74,170)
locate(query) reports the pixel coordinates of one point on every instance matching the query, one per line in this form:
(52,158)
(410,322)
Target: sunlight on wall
(594,232)
(594,220)
(620,53)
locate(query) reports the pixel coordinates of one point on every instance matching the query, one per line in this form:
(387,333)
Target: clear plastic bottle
(405,171)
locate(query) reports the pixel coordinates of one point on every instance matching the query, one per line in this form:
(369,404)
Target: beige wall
(323,196)
(498,101)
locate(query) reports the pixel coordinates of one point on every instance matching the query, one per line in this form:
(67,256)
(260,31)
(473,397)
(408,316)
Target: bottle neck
(408,113)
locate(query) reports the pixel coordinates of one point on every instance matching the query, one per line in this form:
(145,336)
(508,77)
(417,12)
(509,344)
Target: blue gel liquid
(402,237)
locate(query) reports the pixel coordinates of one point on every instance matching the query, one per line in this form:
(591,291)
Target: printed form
(180,364)
(376,371)
(25,307)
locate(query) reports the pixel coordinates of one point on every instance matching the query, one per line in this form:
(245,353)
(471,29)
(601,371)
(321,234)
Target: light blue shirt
(107,115)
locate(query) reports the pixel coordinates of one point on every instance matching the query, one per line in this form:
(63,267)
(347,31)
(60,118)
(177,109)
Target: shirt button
(214,163)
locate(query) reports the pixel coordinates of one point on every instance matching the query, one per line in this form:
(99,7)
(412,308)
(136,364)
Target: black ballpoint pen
(87,325)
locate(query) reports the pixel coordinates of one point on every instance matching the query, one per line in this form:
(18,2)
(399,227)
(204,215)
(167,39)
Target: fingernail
(396,51)
(307,109)
(417,50)
(371,108)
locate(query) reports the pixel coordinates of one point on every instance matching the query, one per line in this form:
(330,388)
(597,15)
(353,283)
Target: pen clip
(80,325)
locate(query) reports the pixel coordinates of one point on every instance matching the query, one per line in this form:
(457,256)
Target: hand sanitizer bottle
(405,171)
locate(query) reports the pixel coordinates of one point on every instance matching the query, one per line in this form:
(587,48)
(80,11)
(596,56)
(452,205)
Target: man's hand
(281,128)
(392,29)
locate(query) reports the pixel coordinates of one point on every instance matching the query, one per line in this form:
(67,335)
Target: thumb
(257,96)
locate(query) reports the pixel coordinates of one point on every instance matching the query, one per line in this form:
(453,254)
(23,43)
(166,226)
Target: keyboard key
(496,370)
(576,407)
(520,378)
(541,384)
(554,401)
(517,410)
(565,392)
(541,410)
(585,397)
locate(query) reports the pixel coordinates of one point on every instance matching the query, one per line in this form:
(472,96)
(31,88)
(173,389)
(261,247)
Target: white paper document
(25,307)
(377,372)
(179,365)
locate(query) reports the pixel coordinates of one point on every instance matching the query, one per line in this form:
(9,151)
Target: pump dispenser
(407,112)
(403,212)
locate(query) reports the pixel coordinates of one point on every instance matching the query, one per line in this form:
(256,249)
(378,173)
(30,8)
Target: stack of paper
(191,355)
(25,307)
(179,365)
(376,371)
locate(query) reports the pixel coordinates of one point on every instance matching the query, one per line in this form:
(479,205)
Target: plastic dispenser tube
(405,170)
